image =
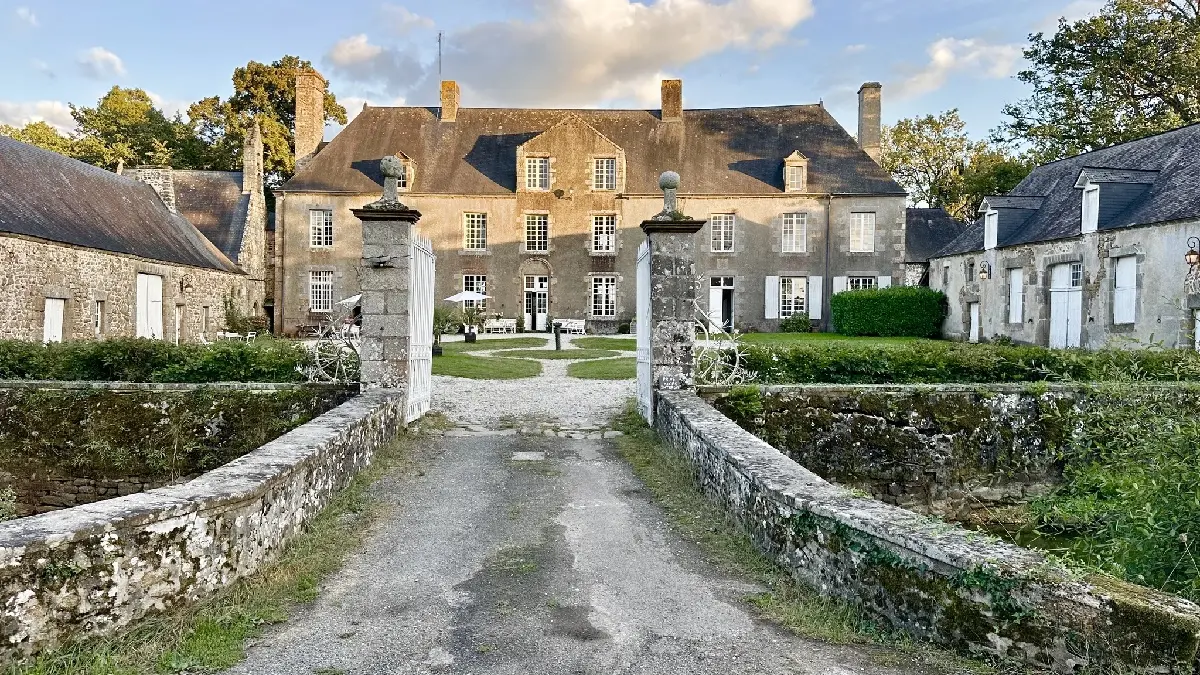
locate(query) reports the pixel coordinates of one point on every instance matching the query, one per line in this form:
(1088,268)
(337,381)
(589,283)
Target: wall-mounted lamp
(185,284)
(1193,255)
(985,270)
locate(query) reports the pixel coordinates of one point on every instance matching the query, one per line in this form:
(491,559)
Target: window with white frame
(604,233)
(99,317)
(320,228)
(792,296)
(1076,275)
(475,231)
(795,232)
(795,178)
(862,232)
(1124,299)
(537,232)
(320,290)
(537,173)
(475,283)
(402,179)
(722,232)
(604,297)
(604,173)
(861,283)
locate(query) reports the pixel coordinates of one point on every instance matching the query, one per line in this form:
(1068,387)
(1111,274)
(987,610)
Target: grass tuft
(604,369)
(558,354)
(625,344)
(484,368)
(211,635)
(498,343)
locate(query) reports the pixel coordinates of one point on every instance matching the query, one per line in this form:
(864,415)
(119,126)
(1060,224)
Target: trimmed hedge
(141,360)
(933,362)
(898,311)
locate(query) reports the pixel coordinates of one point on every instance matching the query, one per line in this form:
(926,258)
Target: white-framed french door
(537,302)
(1066,305)
(720,302)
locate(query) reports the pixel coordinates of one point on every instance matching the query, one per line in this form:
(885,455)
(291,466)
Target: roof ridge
(1122,143)
(588,110)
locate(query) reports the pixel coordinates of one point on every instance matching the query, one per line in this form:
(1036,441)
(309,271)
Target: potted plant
(471,316)
(445,319)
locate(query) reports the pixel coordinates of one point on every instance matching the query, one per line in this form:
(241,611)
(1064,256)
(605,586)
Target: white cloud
(402,21)
(43,68)
(854,49)
(354,104)
(949,56)
(20,113)
(98,63)
(27,16)
(1076,10)
(167,106)
(577,52)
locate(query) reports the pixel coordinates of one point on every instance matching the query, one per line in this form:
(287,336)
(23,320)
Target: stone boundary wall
(72,385)
(932,580)
(96,568)
(955,451)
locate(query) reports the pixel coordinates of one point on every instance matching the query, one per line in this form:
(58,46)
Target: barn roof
(214,203)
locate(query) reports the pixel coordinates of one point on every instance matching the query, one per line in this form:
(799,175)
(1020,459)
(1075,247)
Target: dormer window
(991,226)
(795,173)
(405,180)
(1091,208)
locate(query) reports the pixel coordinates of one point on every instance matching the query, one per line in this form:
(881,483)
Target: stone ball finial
(391,167)
(669,180)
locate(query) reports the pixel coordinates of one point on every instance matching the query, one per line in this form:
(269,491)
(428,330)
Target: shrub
(141,360)
(899,311)
(796,323)
(8,504)
(932,362)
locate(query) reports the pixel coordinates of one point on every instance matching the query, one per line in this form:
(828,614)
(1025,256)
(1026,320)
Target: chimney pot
(672,100)
(450,99)
(870,120)
(310,114)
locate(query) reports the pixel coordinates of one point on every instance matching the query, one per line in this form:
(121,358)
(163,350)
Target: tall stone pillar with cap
(385,278)
(673,288)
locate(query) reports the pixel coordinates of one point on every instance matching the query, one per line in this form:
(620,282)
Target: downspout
(827,285)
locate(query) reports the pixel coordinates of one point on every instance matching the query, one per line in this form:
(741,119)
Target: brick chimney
(450,98)
(672,100)
(252,161)
(870,119)
(162,180)
(310,114)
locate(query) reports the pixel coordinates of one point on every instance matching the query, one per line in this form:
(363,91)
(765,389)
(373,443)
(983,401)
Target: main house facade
(90,254)
(540,209)
(1085,252)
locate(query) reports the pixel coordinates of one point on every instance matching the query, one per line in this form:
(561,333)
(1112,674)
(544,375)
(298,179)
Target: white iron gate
(645,384)
(420,339)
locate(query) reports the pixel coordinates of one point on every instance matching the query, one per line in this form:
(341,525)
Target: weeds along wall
(69,443)
(93,569)
(927,578)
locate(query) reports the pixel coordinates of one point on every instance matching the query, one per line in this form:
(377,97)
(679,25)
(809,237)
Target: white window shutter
(840,284)
(884,282)
(815,298)
(1125,291)
(771,298)
(142,304)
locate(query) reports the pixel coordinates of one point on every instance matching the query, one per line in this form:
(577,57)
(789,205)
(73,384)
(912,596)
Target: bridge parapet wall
(921,576)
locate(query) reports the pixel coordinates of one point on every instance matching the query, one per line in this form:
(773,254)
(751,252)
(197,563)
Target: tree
(125,126)
(935,160)
(42,135)
(1129,72)
(262,92)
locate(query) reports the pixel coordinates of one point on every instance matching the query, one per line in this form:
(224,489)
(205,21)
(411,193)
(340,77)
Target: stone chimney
(252,161)
(310,114)
(162,180)
(672,100)
(450,98)
(870,119)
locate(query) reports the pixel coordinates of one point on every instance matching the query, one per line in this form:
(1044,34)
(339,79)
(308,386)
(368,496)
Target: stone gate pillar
(385,278)
(673,289)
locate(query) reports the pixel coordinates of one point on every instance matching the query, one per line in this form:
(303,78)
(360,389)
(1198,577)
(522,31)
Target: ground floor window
(604,297)
(792,296)
(862,283)
(98,317)
(320,290)
(478,284)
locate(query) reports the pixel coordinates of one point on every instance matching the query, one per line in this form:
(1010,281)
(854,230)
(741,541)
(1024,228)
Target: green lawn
(623,344)
(605,369)
(484,368)
(821,338)
(501,343)
(558,355)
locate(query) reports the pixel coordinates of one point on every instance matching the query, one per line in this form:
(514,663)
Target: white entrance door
(537,302)
(52,328)
(720,302)
(1066,305)
(178,324)
(973,334)
(149,306)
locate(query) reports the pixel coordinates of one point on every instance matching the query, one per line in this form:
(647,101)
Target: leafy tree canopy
(934,159)
(1129,72)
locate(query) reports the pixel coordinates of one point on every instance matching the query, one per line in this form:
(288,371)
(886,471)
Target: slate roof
(927,231)
(48,196)
(214,203)
(1171,159)
(726,151)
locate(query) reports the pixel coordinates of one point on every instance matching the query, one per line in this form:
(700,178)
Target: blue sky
(931,55)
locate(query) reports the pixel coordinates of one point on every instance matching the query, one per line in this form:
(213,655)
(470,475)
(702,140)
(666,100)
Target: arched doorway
(535,293)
